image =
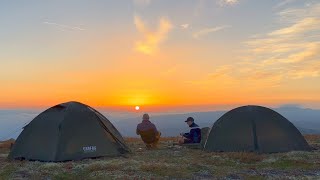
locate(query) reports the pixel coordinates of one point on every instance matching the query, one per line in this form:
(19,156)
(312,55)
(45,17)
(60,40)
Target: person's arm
(155,130)
(186,135)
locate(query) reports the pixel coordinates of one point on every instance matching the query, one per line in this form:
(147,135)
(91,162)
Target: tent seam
(59,134)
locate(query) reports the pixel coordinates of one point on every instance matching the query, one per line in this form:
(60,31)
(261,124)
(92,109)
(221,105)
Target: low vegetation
(170,161)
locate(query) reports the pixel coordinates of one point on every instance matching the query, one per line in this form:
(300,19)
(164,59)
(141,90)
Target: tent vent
(58,107)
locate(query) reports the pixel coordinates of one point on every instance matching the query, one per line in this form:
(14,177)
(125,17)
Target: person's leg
(181,140)
(155,143)
(184,140)
(148,146)
(187,141)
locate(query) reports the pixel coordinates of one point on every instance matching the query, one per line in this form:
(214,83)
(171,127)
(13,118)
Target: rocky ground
(172,162)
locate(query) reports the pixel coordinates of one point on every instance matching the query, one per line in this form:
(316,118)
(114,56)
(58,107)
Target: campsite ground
(172,162)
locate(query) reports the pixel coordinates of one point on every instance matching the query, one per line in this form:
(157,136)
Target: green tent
(254,129)
(68,131)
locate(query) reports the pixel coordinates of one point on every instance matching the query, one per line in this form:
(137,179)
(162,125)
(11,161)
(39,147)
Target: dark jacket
(195,133)
(146,125)
(148,132)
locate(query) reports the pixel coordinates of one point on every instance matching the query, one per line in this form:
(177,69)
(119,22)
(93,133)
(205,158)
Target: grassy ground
(172,162)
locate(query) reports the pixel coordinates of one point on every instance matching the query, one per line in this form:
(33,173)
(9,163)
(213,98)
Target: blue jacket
(195,133)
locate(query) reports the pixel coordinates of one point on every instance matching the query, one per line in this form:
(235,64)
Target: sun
(137,108)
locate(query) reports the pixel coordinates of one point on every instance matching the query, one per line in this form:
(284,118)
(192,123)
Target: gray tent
(68,131)
(254,129)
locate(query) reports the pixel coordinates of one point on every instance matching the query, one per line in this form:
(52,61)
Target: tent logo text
(89,149)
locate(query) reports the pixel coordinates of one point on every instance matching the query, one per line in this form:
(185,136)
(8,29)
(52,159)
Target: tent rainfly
(254,129)
(68,131)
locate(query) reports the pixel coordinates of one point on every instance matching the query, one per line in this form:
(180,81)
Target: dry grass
(245,157)
(5,147)
(173,162)
(6,144)
(163,139)
(313,139)
(104,166)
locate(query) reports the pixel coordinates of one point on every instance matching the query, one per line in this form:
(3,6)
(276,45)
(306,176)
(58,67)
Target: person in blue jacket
(194,136)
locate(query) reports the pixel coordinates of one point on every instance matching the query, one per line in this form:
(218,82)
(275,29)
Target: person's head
(145,117)
(189,120)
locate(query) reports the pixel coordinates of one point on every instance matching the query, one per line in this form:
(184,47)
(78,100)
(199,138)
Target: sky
(159,54)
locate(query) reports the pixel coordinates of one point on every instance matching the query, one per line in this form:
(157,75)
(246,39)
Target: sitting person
(194,136)
(148,132)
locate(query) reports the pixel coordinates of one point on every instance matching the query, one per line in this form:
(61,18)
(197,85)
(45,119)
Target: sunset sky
(159,53)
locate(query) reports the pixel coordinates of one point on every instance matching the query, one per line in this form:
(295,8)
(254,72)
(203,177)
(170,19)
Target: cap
(189,119)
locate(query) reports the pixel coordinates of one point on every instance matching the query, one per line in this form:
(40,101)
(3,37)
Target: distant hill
(306,120)
(169,125)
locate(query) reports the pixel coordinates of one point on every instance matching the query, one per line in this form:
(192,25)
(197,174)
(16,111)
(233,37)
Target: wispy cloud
(228,2)
(185,26)
(307,69)
(201,5)
(64,27)
(301,26)
(283,3)
(295,44)
(152,39)
(207,31)
(289,52)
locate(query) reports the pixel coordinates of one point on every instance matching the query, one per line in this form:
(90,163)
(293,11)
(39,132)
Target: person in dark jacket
(148,132)
(194,136)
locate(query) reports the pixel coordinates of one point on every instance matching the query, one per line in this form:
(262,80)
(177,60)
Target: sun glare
(137,108)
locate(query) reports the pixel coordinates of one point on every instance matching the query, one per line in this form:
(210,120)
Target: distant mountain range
(306,120)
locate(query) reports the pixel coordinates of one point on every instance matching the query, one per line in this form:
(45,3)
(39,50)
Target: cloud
(228,2)
(152,39)
(64,27)
(309,51)
(276,57)
(294,47)
(283,3)
(227,78)
(185,26)
(302,26)
(206,31)
(308,69)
